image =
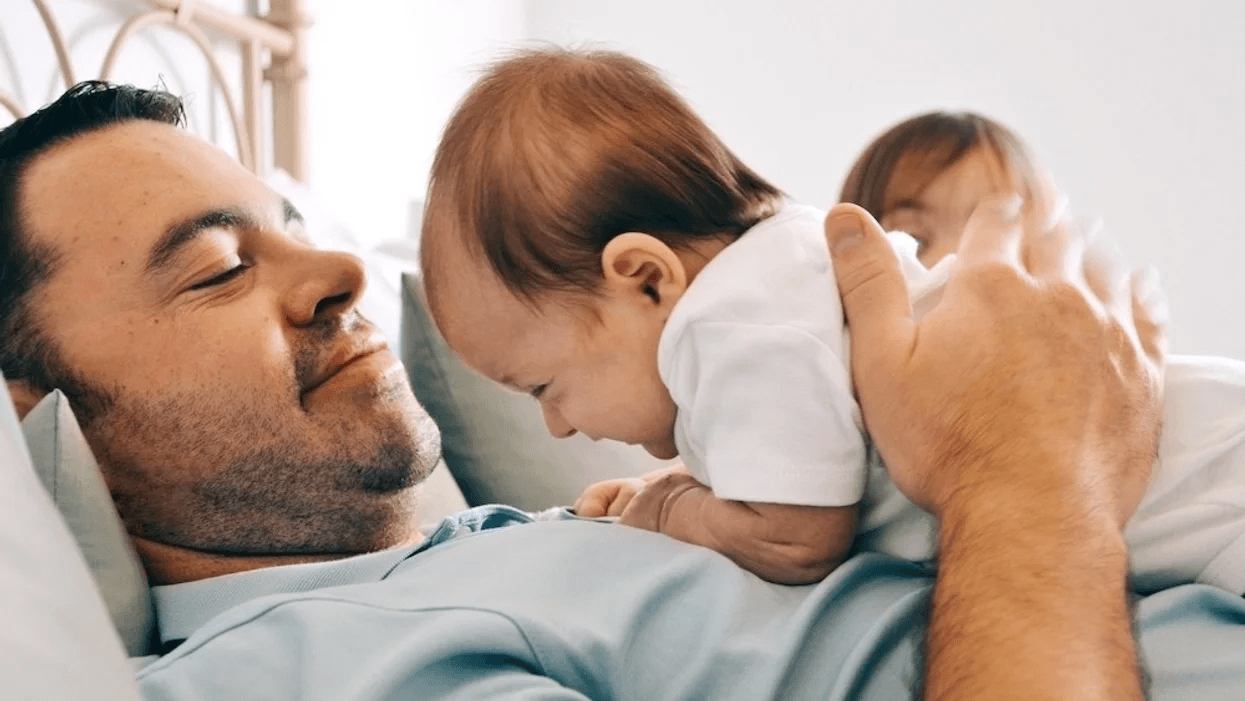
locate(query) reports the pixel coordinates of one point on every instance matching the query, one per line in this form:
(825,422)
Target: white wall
(384,77)
(1136,106)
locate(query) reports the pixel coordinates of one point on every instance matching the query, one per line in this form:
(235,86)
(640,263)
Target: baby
(588,240)
(925,175)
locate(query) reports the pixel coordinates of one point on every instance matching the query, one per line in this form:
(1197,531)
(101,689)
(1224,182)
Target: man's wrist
(1042,575)
(1047,530)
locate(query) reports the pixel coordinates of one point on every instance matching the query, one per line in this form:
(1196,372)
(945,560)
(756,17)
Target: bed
(73,597)
(263,98)
(73,594)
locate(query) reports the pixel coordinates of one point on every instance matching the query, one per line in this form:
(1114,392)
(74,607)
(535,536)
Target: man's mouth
(343,358)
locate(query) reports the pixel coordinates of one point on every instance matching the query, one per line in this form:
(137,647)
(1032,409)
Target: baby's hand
(607,498)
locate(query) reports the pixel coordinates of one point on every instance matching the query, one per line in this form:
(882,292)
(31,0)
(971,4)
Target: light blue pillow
(56,643)
(64,463)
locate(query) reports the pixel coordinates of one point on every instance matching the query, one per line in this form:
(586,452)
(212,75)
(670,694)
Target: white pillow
(494,441)
(56,642)
(63,460)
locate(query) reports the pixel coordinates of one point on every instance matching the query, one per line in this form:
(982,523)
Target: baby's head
(926,174)
(573,198)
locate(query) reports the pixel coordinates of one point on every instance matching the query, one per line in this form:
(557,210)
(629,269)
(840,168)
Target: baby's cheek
(666,414)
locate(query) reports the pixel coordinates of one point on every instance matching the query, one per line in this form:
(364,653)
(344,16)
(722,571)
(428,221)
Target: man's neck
(171,564)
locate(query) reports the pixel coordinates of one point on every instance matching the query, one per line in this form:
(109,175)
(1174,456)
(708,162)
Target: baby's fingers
(595,501)
(607,498)
(622,497)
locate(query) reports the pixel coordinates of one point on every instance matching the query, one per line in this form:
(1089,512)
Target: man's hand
(1029,353)
(1023,411)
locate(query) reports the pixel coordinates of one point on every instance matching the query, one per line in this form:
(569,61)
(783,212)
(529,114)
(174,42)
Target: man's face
(254,410)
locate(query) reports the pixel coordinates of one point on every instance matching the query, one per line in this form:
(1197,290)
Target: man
(245,417)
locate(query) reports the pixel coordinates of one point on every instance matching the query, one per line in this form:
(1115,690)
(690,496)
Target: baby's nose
(558,426)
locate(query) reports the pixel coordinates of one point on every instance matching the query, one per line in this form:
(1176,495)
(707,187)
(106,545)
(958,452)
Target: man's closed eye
(222,278)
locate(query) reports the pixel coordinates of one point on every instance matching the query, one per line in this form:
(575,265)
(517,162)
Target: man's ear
(636,263)
(24,396)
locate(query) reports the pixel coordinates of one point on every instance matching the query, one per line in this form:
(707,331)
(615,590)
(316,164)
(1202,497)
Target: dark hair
(554,152)
(26,351)
(925,145)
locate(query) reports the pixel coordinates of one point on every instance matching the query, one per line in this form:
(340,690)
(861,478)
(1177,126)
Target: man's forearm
(1031,602)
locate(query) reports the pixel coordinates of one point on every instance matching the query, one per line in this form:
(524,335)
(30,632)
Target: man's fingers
(1108,276)
(873,290)
(1046,206)
(1056,254)
(1150,314)
(993,233)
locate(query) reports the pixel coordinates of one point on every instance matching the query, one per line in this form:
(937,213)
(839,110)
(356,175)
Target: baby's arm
(767,410)
(610,497)
(783,543)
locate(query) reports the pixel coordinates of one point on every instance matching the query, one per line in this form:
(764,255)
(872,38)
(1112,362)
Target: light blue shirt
(495,606)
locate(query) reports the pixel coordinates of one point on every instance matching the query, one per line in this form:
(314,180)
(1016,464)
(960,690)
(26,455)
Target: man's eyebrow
(181,234)
(291,212)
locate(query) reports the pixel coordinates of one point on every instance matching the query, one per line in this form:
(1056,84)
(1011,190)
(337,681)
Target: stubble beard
(193,472)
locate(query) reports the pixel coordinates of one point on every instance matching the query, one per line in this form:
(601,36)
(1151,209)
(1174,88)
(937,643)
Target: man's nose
(557,425)
(327,283)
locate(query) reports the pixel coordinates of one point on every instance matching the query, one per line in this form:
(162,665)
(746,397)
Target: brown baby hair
(554,152)
(914,152)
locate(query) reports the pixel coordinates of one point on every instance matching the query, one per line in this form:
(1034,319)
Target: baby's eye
(538,390)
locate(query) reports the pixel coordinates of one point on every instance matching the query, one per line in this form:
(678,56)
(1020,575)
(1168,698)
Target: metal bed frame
(273,50)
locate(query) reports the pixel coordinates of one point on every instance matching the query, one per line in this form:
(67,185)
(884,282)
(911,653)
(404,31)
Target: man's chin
(402,446)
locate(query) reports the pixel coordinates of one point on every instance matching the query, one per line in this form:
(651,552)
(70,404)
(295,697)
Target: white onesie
(755,355)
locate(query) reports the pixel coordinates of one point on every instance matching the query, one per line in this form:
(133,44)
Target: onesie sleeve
(769,412)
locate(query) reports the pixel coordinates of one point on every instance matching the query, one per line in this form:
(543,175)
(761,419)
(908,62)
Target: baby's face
(937,214)
(590,363)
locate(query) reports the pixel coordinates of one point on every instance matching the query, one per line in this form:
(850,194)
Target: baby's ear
(638,263)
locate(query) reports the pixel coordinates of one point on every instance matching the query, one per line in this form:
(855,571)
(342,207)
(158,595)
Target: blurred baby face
(936,214)
(589,362)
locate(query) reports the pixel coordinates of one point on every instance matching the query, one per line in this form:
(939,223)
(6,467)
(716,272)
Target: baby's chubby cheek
(663,449)
(663,417)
